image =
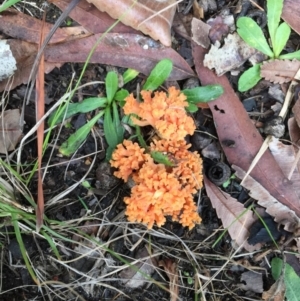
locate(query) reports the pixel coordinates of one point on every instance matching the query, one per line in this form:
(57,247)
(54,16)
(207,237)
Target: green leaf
(113,129)
(252,34)
(276,266)
(129,75)
(87,105)
(281,37)
(290,56)
(75,140)
(249,78)
(111,85)
(108,127)
(203,94)
(274,10)
(192,108)
(291,279)
(117,124)
(8,4)
(121,95)
(158,75)
(159,157)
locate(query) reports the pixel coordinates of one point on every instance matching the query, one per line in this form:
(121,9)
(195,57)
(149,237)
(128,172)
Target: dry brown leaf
(291,14)
(279,71)
(285,156)
(123,50)
(93,19)
(281,213)
(198,10)
(296,110)
(10,130)
(143,16)
(232,214)
(240,139)
(276,291)
(200,31)
(24,27)
(233,54)
(132,277)
(182,25)
(294,131)
(170,268)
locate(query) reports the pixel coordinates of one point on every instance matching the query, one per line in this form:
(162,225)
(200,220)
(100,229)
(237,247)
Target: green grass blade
(51,244)
(8,4)
(87,105)
(252,34)
(274,10)
(249,78)
(158,75)
(281,37)
(290,56)
(22,247)
(111,85)
(203,94)
(75,140)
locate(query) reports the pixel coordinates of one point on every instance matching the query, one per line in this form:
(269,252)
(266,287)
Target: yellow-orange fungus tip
(128,157)
(164,111)
(159,193)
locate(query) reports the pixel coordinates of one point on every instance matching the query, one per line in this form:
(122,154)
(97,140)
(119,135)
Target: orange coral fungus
(159,193)
(165,112)
(187,165)
(161,190)
(128,157)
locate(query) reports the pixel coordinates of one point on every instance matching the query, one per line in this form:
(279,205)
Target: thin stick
(40,112)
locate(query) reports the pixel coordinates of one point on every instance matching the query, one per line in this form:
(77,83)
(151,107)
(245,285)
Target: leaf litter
(232,129)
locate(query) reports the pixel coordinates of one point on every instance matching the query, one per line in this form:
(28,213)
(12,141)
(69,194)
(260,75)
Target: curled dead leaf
(124,50)
(93,19)
(233,214)
(281,213)
(152,17)
(24,27)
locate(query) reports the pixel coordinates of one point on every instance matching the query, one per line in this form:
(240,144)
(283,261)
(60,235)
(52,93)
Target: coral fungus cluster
(160,189)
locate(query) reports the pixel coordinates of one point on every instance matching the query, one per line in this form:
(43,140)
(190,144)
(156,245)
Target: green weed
(253,35)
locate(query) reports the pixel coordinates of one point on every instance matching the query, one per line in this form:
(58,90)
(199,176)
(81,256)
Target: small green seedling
(227,183)
(252,34)
(190,279)
(115,98)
